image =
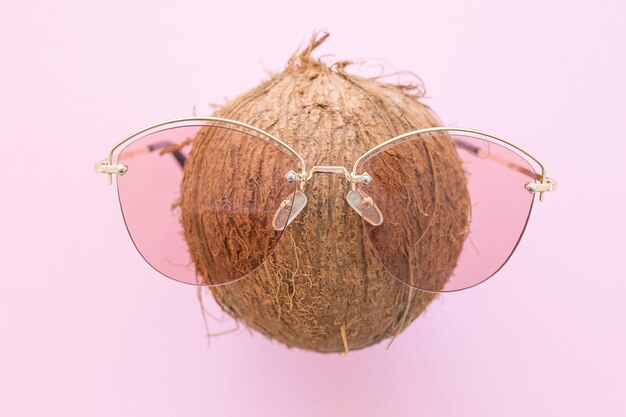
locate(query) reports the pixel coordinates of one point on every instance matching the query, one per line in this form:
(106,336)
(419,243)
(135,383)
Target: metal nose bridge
(334,169)
(330,169)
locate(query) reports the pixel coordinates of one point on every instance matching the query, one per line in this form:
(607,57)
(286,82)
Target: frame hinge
(105,168)
(541,187)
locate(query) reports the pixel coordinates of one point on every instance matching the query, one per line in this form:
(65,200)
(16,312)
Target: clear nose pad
(365,206)
(283,216)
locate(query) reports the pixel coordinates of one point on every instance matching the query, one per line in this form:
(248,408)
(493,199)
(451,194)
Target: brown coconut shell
(322,288)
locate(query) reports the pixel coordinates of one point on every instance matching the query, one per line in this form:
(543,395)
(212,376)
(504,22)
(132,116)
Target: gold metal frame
(545,184)
(106,166)
(358,200)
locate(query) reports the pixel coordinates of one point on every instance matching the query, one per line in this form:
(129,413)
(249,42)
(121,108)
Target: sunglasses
(442,208)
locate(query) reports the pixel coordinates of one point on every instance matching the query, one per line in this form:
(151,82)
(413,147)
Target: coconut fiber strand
(323,288)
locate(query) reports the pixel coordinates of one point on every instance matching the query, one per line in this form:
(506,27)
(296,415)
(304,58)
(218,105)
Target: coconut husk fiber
(322,288)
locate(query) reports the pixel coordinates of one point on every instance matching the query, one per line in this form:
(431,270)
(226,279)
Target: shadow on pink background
(88,329)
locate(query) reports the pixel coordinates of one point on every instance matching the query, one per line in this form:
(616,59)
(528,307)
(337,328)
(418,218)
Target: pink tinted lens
(454,205)
(501,205)
(148,192)
(233,211)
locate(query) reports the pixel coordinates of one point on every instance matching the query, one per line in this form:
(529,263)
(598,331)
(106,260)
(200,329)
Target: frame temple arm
(164,147)
(539,185)
(104,167)
(481,153)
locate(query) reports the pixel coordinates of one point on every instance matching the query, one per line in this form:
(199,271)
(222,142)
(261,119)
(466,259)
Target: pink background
(87,328)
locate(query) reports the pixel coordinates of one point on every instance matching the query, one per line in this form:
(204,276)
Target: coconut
(322,288)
